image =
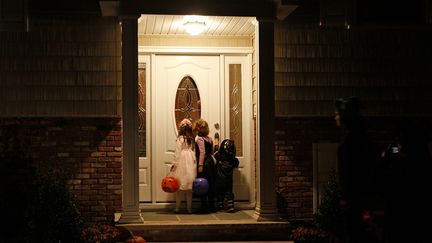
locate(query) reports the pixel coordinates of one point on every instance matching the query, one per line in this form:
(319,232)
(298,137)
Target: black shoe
(230,210)
(219,206)
(202,211)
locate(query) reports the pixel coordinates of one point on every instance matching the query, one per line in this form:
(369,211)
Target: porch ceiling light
(194,25)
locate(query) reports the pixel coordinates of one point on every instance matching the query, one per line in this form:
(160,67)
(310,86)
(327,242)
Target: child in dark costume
(205,163)
(226,163)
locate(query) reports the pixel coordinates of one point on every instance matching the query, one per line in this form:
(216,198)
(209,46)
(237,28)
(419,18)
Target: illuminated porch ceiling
(215,25)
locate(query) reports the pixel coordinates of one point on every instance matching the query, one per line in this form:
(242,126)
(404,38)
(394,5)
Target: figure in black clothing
(226,162)
(406,203)
(206,162)
(391,187)
(353,169)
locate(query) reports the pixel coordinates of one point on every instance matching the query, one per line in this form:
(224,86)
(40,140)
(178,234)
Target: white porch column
(266,208)
(130,204)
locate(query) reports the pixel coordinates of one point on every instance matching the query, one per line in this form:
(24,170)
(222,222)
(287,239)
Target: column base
(269,213)
(130,217)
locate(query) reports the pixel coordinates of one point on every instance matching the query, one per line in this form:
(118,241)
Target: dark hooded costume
(353,169)
(225,165)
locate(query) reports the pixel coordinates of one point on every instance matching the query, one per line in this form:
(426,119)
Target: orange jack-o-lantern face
(136,239)
(170,184)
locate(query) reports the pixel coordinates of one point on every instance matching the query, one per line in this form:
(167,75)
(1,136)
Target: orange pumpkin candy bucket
(169,184)
(135,239)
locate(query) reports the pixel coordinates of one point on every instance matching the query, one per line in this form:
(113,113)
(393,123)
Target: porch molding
(263,8)
(266,208)
(279,8)
(285,8)
(194,50)
(130,205)
(109,8)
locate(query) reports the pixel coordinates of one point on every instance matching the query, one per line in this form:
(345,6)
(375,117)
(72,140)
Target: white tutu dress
(184,164)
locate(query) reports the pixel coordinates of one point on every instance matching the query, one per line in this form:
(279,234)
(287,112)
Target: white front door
(211,75)
(170,70)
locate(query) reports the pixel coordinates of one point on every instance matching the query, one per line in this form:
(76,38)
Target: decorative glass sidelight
(235,106)
(187,101)
(142,109)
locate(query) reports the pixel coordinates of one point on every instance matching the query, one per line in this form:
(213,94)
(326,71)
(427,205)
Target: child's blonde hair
(201,127)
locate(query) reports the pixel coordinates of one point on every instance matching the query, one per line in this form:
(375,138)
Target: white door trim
(247,91)
(247,117)
(144,165)
(194,50)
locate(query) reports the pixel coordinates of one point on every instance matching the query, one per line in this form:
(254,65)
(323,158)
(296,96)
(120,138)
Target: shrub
(329,214)
(100,233)
(36,202)
(17,188)
(309,234)
(55,216)
(327,221)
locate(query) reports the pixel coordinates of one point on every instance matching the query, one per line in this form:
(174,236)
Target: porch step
(289,241)
(228,227)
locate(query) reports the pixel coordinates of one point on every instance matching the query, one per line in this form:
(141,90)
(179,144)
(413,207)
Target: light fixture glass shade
(195,27)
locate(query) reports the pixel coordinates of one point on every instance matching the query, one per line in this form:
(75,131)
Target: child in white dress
(184,164)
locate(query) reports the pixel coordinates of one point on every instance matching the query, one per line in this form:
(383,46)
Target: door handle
(216,138)
(216,142)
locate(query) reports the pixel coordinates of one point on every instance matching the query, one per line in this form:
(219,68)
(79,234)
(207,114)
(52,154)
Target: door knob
(216,125)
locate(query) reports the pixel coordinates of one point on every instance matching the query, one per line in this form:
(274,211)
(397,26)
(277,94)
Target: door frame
(149,53)
(266,208)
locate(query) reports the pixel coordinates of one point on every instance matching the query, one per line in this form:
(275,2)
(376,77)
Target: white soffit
(215,25)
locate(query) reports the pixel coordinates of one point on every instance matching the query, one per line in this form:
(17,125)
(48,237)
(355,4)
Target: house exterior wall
(60,84)
(60,89)
(294,160)
(88,150)
(64,66)
(386,67)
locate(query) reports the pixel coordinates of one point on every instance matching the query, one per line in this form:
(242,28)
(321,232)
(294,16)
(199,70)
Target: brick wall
(89,148)
(293,151)
(294,161)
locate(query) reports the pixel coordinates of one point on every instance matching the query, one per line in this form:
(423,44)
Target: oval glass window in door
(187,101)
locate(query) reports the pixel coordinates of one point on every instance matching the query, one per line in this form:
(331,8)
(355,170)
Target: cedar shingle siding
(61,67)
(389,69)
